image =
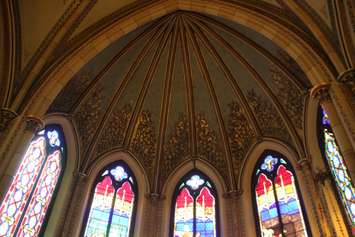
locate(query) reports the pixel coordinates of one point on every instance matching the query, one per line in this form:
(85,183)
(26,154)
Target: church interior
(177,118)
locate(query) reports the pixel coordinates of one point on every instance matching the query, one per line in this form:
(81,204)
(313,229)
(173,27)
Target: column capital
(322,176)
(303,163)
(33,124)
(348,78)
(155,197)
(233,194)
(6,116)
(321,92)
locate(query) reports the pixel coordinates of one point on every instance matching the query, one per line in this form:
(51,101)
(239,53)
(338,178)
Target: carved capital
(155,197)
(6,116)
(304,164)
(321,176)
(321,92)
(233,194)
(33,124)
(348,78)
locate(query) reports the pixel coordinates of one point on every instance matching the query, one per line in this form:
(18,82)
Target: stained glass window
(194,207)
(112,204)
(25,206)
(277,200)
(336,164)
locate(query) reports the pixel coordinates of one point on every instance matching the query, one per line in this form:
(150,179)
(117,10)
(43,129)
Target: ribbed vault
(185,87)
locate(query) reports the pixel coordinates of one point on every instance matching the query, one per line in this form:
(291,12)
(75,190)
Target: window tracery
(194,210)
(25,206)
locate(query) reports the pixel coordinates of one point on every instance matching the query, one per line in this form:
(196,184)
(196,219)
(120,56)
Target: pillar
(322,93)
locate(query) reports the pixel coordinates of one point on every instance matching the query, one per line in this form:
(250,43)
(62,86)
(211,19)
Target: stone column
(331,206)
(319,207)
(76,207)
(6,117)
(322,93)
(235,223)
(15,149)
(153,214)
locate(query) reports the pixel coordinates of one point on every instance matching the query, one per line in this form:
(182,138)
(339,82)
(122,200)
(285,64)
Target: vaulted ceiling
(186,86)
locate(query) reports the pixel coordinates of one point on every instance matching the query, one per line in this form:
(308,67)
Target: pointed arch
(194,208)
(113,202)
(277,202)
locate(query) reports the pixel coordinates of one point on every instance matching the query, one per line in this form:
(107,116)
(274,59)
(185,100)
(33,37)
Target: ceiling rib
(119,91)
(266,89)
(166,103)
(149,32)
(232,81)
(202,20)
(216,106)
(146,84)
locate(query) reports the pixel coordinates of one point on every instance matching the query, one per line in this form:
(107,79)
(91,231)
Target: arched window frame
(50,148)
(289,167)
(99,178)
(181,184)
(322,124)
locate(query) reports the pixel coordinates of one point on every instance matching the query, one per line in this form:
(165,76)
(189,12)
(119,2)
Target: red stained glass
(23,183)
(35,213)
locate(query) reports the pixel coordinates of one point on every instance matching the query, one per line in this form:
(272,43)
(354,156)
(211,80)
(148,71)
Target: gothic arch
(314,66)
(246,177)
(89,178)
(173,180)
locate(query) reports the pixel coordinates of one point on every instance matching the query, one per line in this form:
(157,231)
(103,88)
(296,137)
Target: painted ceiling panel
(38,17)
(208,96)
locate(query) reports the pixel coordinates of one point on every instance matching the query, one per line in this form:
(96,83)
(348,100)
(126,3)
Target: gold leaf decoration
(113,133)
(69,94)
(269,120)
(176,148)
(144,142)
(240,132)
(87,118)
(209,148)
(289,95)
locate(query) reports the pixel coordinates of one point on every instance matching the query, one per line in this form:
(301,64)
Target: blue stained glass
(269,163)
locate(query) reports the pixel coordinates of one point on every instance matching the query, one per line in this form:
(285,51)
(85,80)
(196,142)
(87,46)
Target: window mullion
(31,195)
(278,207)
(111,213)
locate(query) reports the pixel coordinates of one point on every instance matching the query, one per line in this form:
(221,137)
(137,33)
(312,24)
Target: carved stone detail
(113,132)
(144,143)
(209,147)
(176,148)
(321,92)
(269,120)
(348,78)
(33,124)
(289,95)
(322,176)
(6,116)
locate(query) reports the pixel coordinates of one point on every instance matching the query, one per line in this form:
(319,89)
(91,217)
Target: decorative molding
(322,176)
(348,78)
(233,194)
(33,124)
(321,92)
(6,116)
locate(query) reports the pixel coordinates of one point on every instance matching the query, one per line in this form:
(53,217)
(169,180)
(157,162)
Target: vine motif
(6,116)
(144,142)
(209,148)
(290,97)
(268,118)
(68,95)
(113,132)
(176,148)
(87,117)
(240,134)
